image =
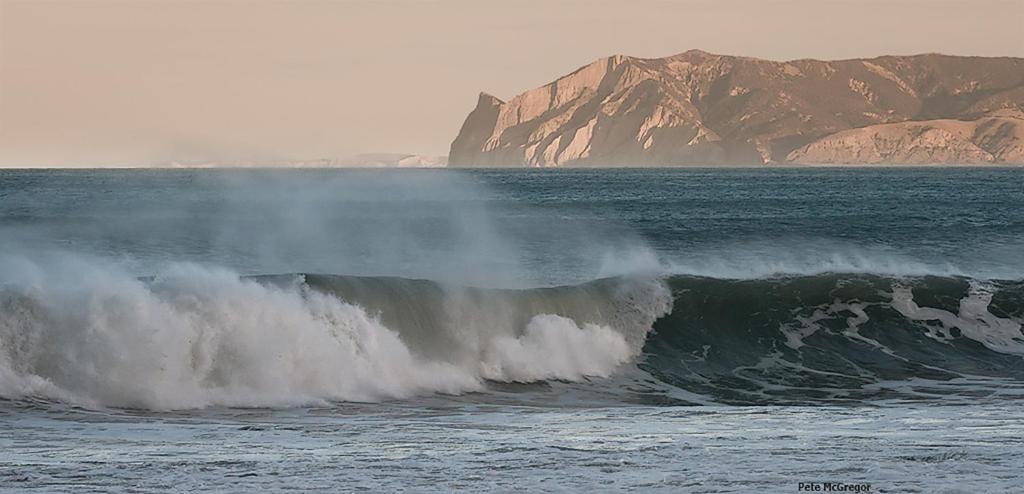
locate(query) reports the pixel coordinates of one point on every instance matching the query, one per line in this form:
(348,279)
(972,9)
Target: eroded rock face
(986,140)
(697,108)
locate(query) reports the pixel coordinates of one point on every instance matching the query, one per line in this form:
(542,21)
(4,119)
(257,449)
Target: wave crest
(195,337)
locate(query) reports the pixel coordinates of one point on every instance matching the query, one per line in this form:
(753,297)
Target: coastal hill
(698,108)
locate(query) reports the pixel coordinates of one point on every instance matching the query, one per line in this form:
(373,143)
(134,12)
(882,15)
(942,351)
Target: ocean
(645,330)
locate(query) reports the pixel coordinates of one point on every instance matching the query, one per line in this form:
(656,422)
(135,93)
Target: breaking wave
(841,338)
(191,336)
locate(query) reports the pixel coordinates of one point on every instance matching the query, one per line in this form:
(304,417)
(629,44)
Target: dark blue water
(735,330)
(531,227)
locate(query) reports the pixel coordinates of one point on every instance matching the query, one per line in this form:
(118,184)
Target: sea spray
(193,336)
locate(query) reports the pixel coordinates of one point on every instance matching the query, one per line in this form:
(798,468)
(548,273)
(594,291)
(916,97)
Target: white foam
(554,347)
(91,333)
(972,319)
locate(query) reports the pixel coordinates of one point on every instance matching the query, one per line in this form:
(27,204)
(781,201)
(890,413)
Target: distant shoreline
(789,166)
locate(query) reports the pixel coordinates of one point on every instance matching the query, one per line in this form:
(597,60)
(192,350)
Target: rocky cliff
(698,108)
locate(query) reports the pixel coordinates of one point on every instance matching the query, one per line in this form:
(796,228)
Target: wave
(191,336)
(805,256)
(841,338)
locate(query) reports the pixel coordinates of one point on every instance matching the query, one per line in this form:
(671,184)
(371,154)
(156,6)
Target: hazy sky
(98,82)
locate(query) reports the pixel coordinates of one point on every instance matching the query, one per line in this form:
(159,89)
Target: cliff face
(994,140)
(697,108)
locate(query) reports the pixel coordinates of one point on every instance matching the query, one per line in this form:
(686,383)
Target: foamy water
(645,330)
(191,337)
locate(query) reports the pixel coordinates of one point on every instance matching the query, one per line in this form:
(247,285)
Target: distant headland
(698,108)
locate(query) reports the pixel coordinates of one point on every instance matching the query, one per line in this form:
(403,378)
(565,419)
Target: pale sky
(136,82)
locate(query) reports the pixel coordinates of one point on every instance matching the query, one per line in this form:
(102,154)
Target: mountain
(698,108)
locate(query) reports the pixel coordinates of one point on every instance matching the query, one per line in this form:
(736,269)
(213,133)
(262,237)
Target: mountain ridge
(700,108)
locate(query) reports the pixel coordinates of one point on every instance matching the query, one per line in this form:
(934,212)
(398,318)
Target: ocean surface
(691,330)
